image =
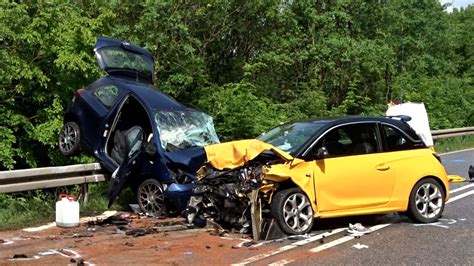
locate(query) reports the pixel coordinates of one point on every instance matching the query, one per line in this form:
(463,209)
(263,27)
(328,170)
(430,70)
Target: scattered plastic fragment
(118,219)
(80,235)
(135,208)
(456,178)
(188,253)
(360,246)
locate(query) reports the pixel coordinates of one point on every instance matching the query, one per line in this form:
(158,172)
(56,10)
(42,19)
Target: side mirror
(322,153)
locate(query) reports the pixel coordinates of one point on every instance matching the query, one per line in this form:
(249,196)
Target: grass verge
(25,209)
(454,143)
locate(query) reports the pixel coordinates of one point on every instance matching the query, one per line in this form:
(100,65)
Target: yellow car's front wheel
(292,211)
(426,201)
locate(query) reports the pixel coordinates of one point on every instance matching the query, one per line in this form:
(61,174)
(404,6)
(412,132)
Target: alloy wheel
(297,212)
(151,199)
(428,200)
(69,138)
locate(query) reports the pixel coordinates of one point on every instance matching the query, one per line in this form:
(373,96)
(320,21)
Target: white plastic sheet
(419,119)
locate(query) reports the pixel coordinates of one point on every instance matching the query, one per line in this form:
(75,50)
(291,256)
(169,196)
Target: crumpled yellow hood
(230,155)
(234,154)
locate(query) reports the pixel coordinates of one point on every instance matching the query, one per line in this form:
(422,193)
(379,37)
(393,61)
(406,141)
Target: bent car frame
(123,120)
(306,170)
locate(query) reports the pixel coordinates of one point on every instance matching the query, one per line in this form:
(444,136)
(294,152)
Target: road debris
(78,261)
(23,257)
(360,246)
(443,223)
(358,230)
(137,232)
(136,209)
(80,235)
(456,178)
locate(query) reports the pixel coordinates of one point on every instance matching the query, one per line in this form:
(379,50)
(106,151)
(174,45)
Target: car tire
(292,211)
(151,198)
(427,200)
(69,139)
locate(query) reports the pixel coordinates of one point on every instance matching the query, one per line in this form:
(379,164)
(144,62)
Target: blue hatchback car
(142,136)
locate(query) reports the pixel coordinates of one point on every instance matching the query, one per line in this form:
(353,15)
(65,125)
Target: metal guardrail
(48,177)
(453,132)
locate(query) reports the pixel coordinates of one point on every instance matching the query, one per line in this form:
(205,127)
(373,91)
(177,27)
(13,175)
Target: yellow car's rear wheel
(426,201)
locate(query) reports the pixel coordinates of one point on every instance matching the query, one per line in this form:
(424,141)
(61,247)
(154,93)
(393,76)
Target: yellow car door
(353,182)
(354,174)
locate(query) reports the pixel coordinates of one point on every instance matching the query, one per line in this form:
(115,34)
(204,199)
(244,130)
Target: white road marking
(332,244)
(344,239)
(438,224)
(458,197)
(281,263)
(290,246)
(461,188)
(377,227)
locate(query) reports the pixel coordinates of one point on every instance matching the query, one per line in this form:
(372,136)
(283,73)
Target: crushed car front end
(237,185)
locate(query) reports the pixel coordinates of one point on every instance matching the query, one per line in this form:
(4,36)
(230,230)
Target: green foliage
(454,144)
(250,64)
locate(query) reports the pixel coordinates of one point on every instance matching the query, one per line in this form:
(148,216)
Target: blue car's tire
(151,198)
(69,139)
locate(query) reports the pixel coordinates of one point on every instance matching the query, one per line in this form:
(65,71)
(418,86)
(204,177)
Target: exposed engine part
(225,197)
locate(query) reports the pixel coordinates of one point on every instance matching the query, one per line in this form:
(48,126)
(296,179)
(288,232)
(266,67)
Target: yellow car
(304,170)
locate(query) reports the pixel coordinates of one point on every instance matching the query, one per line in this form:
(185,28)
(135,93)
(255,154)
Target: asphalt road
(394,240)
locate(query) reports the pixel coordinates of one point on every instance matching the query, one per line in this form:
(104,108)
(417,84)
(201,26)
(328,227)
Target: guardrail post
(85,193)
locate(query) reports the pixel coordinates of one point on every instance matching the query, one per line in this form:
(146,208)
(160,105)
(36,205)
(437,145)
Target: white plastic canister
(67,211)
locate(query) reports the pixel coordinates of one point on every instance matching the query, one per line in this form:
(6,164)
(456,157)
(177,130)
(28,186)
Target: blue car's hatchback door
(119,58)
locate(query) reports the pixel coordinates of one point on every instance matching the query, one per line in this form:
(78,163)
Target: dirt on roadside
(126,239)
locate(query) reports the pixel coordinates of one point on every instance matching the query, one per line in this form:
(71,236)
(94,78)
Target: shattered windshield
(290,137)
(185,129)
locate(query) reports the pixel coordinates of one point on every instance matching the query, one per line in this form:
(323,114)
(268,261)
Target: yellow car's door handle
(383,167)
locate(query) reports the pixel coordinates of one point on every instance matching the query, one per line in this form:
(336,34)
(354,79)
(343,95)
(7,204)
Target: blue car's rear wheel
(69,139)
(150,197)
